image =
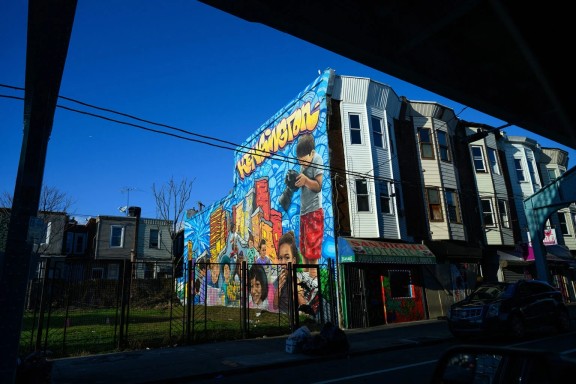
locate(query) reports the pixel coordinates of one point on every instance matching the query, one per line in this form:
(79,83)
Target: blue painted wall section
(264,202)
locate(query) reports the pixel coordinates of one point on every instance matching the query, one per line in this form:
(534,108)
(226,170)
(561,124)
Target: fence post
(124,305)
(43,300)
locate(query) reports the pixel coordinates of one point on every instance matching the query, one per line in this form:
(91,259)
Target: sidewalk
(186,363)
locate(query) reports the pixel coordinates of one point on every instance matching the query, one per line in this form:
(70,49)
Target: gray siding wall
(163,251)
(103,249)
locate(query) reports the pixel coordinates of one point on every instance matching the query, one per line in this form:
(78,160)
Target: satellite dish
(123,209)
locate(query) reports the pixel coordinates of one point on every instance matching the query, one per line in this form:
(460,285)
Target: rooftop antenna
(127,190)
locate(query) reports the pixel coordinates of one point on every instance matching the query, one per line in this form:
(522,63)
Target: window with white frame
(493,158)
(519,170)
(443,146)
(453,206)
(377,132)
(385,198)
(504,211)
(425,138)
(488,213)
(434,204)
(362,197)
(116,236)
(563,217)
(478,158)
(154,241)
(533,176)
(47,233)
(355,130)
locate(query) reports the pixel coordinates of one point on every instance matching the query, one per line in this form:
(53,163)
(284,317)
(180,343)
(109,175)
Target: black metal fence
(80,308)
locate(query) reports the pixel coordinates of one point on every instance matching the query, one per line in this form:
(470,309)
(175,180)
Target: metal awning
(352,250)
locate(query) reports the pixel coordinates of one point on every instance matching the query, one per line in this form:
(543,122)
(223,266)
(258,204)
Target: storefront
(382,282)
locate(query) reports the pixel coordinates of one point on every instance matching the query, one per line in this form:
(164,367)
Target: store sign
(370,251)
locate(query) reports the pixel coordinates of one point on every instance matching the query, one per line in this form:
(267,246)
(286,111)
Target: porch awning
(353,250)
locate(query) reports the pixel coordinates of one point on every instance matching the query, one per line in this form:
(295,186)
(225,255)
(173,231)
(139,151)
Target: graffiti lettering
(272,140)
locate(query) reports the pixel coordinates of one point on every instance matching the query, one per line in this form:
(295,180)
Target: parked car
(511,309)
(492,364)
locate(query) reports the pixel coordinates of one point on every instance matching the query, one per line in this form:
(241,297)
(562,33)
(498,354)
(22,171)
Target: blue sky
(179,63)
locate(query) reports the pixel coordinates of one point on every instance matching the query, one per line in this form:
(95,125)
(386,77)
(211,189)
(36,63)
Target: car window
(489,292)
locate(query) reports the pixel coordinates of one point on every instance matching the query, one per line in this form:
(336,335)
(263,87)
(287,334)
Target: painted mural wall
(279,211)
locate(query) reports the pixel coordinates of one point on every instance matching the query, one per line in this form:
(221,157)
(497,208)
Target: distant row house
(98,247)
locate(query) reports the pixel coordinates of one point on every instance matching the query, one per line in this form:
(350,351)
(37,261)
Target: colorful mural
(281,195)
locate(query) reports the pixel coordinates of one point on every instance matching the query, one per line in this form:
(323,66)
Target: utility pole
(49,28)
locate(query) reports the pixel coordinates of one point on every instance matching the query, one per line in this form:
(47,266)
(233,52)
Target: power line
(236,147)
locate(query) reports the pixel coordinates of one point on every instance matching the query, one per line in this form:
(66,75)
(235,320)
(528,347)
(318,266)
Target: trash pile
(330,340)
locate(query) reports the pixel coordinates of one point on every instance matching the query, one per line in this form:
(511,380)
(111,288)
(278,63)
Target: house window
(362,195)
(478,158)
(80,243)
(154,238)
(377,132)
(453,206)
(426,150)
(519,170)
(564,223)
(97,273)
(551,174)
(533,176)
(355,133)
(493,158)
(504,213)
(116,236)
(400,284)
(113,271)
(434,204)
(69,242)
(385,199)
(47,233)
(443,146)
(488,213)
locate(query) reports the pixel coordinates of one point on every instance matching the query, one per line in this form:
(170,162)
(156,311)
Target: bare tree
(171,200)
(51,200)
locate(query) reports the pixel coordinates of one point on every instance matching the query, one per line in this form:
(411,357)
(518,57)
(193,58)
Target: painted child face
(215,269)
(306,160)
(263,250)
(226,272)
(250,243)
(285,255)
(256,290)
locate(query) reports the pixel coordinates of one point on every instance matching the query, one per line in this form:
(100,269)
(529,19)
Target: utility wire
(236,147)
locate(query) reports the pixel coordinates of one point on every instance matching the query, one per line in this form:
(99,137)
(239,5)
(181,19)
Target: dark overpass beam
(49,29)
